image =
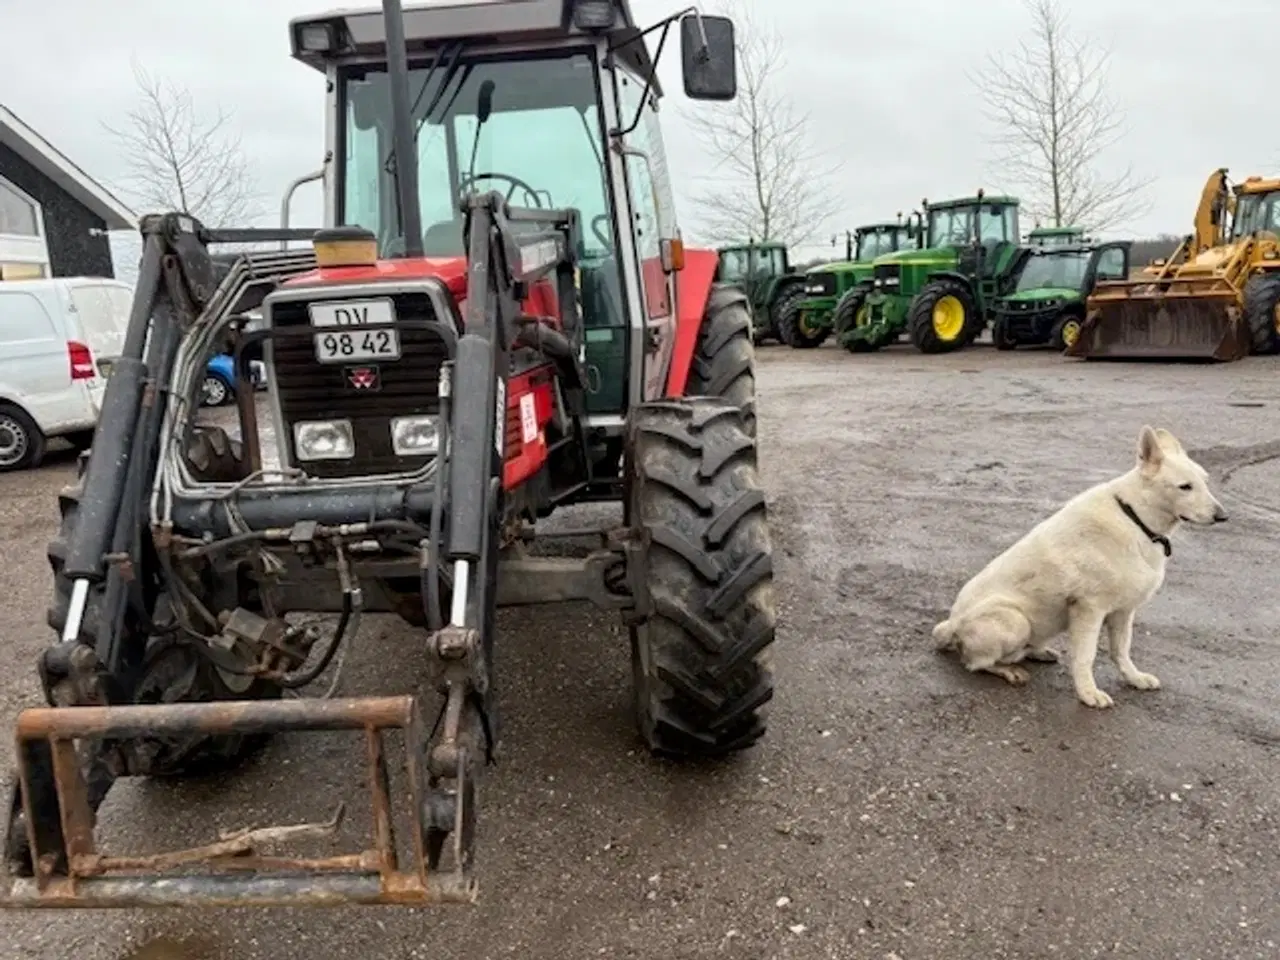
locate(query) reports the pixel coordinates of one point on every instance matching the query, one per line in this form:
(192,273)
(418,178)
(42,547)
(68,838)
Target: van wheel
(21,442)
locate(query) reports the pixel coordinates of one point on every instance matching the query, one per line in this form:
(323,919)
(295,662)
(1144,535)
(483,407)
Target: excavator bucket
(71,870)
(1199,319)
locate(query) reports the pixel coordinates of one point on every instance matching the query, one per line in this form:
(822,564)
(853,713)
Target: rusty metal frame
(70,871)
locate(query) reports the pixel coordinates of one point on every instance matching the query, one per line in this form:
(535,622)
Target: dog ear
(1169,441)
(1149,452)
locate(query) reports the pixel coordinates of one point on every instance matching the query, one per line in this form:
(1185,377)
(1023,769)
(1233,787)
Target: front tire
(943,317)
(1262,312)
(700,677)
(792,329)
(171,662)
(845,318)
(1001,337)
(1066,331)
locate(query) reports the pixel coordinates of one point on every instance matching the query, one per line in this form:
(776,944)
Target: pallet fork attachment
(71,872)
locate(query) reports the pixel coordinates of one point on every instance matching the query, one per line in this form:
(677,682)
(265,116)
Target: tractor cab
(752,264)
(1257,208)
(986,226)
(877,239)
(567,119)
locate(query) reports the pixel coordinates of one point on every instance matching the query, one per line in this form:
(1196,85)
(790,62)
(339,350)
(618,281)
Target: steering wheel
(516,184)
(599,226)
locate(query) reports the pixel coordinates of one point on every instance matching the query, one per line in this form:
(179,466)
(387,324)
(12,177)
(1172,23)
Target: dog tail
(944,635)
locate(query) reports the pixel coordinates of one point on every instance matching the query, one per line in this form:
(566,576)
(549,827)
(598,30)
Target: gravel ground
(899,808)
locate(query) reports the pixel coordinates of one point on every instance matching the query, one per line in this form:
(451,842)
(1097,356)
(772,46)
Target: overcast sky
(884,83)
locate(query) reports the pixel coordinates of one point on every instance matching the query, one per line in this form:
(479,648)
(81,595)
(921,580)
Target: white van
(58,339)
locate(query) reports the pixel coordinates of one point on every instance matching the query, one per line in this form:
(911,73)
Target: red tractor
(434,394)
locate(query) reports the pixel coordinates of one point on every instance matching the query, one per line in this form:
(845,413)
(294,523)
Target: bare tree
(179,159)
(769,180)
(1049,99)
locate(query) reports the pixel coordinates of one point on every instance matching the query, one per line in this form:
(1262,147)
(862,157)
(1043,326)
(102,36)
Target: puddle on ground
(166,948)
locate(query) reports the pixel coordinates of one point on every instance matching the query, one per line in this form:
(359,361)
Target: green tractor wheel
(852,312)
(794,328)
(943,317)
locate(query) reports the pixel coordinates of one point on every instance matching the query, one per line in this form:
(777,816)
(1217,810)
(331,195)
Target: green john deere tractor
(941,295)
(1047,300)
(763,272)
(807,322)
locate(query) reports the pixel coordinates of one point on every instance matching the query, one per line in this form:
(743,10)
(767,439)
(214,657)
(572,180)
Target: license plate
(342,340)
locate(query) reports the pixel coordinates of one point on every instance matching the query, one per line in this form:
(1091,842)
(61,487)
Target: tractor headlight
(415,436)
(324,440)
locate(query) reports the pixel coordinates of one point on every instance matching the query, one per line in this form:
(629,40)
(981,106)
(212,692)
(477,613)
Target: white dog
(1089,566)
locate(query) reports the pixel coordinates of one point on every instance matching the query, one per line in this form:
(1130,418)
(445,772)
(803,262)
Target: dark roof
(41,154)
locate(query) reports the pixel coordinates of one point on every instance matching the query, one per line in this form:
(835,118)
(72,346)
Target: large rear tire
(724,362)
(943,317)
(700,674)
(1262,312)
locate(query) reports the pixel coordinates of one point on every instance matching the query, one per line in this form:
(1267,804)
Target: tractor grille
(887,274)
(309,390)
(820,285)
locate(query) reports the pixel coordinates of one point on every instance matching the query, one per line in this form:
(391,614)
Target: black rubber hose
(294,681)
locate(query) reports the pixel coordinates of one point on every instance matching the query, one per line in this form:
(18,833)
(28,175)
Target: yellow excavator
(1216,298)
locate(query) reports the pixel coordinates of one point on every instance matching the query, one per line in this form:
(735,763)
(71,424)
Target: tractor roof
(756,245)
(879,227)
(362,32)
(973,201)
(1085,246)
(1258,185)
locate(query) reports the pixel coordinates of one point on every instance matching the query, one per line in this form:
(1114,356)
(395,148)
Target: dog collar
(1158,539)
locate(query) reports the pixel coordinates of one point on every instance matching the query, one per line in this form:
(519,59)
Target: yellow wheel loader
(1216,298)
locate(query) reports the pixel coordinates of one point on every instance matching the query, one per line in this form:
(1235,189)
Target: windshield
(1062,270)
(874,243)
(954,226)
(542,144)
(733,264)
(1256,212)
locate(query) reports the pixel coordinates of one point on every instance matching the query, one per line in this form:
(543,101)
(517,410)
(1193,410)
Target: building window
(23,271)
(19,216)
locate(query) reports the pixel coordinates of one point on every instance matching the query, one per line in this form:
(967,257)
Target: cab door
(653,222)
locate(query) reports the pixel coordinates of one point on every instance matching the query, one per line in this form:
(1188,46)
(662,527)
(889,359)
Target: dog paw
(1043,656)
(1018,676)
(1095,698)
(1143,681)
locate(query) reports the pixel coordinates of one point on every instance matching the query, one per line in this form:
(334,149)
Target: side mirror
(709,57)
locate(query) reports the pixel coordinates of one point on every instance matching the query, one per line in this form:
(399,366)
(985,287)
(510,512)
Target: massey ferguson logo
(363,378)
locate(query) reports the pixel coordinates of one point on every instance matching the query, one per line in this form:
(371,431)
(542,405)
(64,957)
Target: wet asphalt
(898,808)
